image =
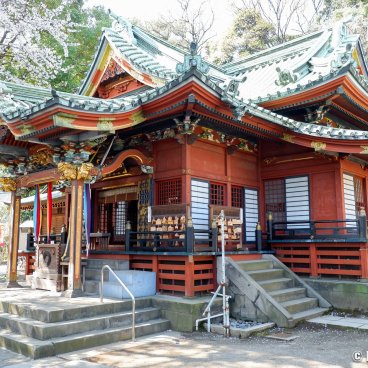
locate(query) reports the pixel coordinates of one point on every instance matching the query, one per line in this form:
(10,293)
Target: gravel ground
(315,347)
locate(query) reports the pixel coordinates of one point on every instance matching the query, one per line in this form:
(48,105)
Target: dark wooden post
(128,229)
(30,240)
(362,220)
(63,235)
(258,237)
(269,226)
(189,236)
(214,233)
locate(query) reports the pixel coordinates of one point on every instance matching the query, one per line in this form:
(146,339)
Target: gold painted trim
(288,138)
(318,146)
(118,186)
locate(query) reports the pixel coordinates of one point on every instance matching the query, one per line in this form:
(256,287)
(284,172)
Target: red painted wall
(167,156)
(204,160)
(323,196)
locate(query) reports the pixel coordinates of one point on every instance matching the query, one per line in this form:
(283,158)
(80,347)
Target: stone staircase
(60,325)
(93,273)
(266,290)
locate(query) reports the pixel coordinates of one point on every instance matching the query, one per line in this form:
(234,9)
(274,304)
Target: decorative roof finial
(193,48)
(194,60)
(123,27)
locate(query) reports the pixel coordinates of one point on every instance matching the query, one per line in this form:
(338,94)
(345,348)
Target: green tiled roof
(280,71)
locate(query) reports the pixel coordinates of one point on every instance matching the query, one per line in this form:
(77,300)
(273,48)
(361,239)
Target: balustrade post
(313,260)
(269,226)
(362,223)
(128,229)
(189,236)
(258,233)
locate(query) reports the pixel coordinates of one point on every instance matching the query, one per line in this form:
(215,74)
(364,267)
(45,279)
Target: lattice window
(359,193)
(217,194)
(169,192)
(120,220)
(276,199)
(103,218)
(237,198)
(112,219)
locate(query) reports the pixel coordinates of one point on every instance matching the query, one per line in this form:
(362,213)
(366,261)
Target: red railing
(179,275)
(325,258)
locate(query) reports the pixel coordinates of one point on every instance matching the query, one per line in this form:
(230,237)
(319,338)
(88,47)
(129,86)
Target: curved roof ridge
(271,50)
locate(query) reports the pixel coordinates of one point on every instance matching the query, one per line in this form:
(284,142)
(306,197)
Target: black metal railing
(44,239)
(187,241)
(322,229)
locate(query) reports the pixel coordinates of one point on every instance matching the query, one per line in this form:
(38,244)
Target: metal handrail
(207,311)
(126,289)
(222,285)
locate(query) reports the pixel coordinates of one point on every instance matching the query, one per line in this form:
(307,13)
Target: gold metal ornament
(67,171)
(84,171)
(8,185)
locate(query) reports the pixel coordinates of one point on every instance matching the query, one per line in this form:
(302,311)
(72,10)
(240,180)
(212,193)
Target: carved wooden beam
(138,156)
(41,177)
(14,151)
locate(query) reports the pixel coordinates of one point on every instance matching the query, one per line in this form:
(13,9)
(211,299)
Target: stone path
(341,321)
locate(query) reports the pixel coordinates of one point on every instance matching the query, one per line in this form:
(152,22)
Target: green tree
(249,33)
(85,39)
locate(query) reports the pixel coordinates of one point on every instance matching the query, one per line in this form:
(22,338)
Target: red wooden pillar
(364,261)
(229,179)
(14,240)
(75,247)
(189,276)
(185,166)
(313,260)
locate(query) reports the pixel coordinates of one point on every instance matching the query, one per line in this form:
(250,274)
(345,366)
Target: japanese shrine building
(165,141)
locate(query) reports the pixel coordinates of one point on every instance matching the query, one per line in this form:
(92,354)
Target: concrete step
(300,305)
(276,284)
(92,287)
(268,274)
(44,331)
(308,314)
(93,274)
(40,312)
(285,295)
(260,264)
(115,264)
(139,283)
(35,349)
